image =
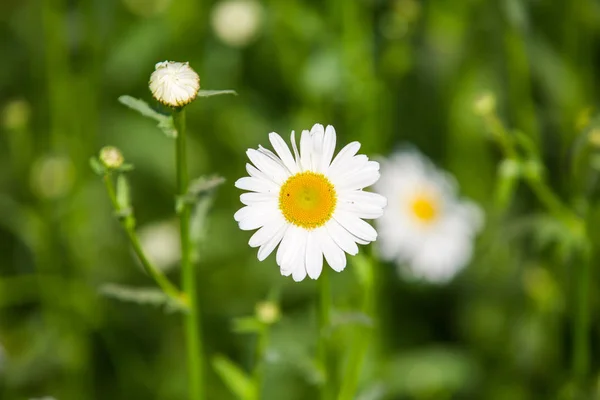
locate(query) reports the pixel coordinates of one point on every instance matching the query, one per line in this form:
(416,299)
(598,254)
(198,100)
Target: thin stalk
(361,341)
(327,389)
(128,225)
(581,328)
(189,279)
(259,368)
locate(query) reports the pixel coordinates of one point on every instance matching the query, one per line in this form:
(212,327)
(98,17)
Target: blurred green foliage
(384,72)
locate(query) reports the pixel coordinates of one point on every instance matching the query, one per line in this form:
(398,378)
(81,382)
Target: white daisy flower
(314,206)
(428,231)
(174,84)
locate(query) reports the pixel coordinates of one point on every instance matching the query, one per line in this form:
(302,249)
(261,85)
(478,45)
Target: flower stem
(127,221)
(361,339)
(259,368)
(581,328)
(189,279)
(324,332)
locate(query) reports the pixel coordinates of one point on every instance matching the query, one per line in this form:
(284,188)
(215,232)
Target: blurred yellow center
(307,199)
(425,208)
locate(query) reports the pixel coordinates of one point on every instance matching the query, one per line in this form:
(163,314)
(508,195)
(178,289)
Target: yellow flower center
(425,208)
(307,199)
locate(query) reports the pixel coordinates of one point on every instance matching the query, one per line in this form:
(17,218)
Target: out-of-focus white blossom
(237,22)
(425,229)
(174,84)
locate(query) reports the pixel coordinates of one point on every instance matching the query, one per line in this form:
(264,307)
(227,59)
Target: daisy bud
(485,104)
(267,312)
(111,157)
(174,84)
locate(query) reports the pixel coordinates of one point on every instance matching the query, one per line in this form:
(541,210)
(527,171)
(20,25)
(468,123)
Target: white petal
(333,254)
(346,153)
(328,149)
(268,247)
(344,239)
(314,256)
(283,152)
(256,220)
(348,168)
(289,247)
(273,169)
(265,233)
(356,226)
(306,151)
(295,148)
(254,198)
(317,134)
(299,273)
(258,208)
(362,197)
(361,210)
(257,185)
(366,177)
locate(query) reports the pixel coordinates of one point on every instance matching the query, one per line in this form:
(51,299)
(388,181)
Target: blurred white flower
(426,229)
(314,206)
(174,84)
(236,22)
(160,242)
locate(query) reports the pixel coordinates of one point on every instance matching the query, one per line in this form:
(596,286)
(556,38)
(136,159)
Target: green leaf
(234,378)
(351,318)
(97,166)
(205,184)
(428,372)
(165,122)
(143,296)
(201,195)
(123,193)
(247,325)
(210,93)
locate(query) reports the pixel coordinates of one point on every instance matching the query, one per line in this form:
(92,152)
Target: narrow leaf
(143,296)
(142,107)
(123,193)
(234,378)
(205,184)
(165,122)
(97,166)
(210,93)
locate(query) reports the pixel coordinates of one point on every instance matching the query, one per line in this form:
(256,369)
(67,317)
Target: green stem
(128,223)
(581,328)
(361,340)
(189,279)
(259,369)
(327,390)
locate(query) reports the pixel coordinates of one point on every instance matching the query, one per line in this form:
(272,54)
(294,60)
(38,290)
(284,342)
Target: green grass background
(386,73)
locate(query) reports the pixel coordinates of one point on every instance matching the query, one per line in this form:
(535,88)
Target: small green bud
(111,157)
(485,104)
(267,312)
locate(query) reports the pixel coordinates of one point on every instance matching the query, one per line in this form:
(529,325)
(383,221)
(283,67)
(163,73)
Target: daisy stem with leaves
(188,270)
(127,221)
